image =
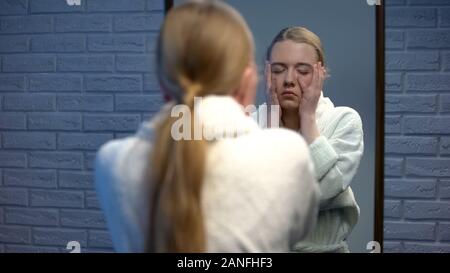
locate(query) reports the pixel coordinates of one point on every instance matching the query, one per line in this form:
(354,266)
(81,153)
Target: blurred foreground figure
(163,190)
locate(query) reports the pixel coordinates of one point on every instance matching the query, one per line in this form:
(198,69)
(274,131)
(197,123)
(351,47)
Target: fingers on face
(321,72)
(317,72)
(274,94)
(270,85)
(300,85)
(324,76)
(316,75)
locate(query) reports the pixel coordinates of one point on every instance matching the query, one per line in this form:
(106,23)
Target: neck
(291,119)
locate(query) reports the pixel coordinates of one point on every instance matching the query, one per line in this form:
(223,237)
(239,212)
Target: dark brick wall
(417,142)
(71,78)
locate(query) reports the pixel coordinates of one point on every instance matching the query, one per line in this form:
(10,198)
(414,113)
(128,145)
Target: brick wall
(72,78)
(417,142)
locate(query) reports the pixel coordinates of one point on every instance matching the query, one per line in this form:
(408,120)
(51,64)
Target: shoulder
(342,118)
(105,163)
(119,161)
(346,114)
(118,192)
(283,141)
(267,152)
(275,163)
(278,142)
(108,153)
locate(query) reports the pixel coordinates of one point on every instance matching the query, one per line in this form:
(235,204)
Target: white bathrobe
(336,155)
(259,194)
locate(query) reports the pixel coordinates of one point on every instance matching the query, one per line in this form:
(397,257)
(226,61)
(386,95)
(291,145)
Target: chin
(289,105)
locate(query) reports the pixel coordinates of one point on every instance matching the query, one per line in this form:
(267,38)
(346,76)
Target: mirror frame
(379,131)
(379,138)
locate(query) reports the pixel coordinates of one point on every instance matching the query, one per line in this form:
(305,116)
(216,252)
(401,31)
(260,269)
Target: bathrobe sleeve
(305,214)
(107,193)
(336,158)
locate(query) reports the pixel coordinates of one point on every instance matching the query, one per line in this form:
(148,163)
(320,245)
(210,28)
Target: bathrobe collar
(324,104)
(218,115)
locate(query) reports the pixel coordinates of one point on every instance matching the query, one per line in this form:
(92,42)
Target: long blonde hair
(203,48)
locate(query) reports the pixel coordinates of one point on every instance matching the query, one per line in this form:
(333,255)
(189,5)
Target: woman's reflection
(295,72)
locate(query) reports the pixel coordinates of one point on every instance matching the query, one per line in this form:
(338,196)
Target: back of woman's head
(204,48)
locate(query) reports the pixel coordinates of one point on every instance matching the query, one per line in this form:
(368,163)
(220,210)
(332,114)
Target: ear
(245,93)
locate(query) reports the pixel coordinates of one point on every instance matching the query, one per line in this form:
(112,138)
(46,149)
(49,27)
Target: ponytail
(203,49)
(176,219)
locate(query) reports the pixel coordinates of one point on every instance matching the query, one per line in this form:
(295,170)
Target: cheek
(305,79)
(277,79)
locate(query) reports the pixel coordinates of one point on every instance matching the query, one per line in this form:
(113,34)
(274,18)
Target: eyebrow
(297,64)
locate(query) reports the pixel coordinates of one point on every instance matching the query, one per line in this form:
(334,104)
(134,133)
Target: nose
(289,79)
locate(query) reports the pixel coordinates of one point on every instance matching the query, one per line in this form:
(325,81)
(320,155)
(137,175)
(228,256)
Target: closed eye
(278,70)
(303,72)
(304,69)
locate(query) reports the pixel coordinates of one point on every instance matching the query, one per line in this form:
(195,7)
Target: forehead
(289,52)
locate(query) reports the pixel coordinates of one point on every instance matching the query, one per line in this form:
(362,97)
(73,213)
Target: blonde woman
(160,193)
(295,72)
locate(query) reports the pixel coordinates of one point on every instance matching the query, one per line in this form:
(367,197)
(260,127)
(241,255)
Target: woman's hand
(311,93)
(272,97)
(308,103)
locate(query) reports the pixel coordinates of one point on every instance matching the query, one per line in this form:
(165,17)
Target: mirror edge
(168,4)
(379,141)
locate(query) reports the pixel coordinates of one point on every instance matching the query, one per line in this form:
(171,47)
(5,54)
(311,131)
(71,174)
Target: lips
(289,92)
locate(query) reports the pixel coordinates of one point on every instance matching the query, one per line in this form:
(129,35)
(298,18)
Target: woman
(164,193)
(295,72)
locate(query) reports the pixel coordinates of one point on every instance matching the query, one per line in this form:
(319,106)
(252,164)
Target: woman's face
(291,64)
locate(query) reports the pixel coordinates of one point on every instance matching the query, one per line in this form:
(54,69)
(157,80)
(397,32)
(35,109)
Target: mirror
(352,36)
